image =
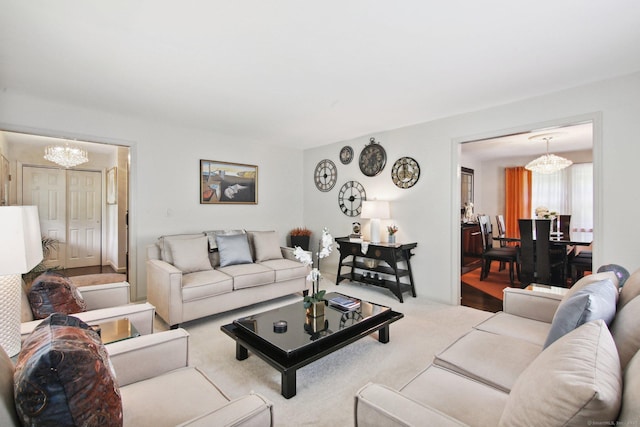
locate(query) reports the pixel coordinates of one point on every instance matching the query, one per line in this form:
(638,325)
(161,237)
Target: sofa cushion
(589,279)
(575,381)
(53,292)
(249,275)
(286,269)
(625,330)
(266,245)
(533,331)
(630,413)
(190,255)
(63,377)
(595,301)
(203,284)
(233,249)
(630,290)
(495,360)
(165,250)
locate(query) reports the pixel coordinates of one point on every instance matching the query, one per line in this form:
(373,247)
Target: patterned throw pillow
(63,377)
(52,292)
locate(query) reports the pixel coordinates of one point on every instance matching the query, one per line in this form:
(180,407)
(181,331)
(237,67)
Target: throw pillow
(595,301)
(190,255)
(625,329)
(266,245)
(163,244)
(53,292)
(211,235)
(576,381)
(233,249)
(630,290)
(63,377)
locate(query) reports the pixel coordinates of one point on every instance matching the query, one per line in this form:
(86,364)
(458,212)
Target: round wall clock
(325,175)
(372,158)
(350,198)
(405,172)
(346,155)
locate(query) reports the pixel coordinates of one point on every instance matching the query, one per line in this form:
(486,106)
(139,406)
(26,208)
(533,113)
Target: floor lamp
(21,250)
(375,210)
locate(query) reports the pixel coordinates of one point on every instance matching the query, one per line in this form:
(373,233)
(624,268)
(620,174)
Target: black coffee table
(306,339)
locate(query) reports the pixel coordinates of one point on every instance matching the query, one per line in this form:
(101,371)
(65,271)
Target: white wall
(429,212)
(165,172)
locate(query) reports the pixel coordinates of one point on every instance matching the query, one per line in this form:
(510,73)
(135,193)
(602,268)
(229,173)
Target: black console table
(390,253)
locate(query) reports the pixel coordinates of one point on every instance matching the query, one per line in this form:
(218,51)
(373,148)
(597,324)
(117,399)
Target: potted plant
(314,303)
(300,236)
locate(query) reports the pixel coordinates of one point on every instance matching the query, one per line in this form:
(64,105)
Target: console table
(390,253)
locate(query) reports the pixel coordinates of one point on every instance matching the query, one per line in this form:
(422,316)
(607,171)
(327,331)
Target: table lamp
(375,210)
(21,250)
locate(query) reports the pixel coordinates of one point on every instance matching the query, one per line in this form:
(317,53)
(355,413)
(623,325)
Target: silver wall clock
(350,198)
(325,175)
(405,172)
(346,155)
(373,158)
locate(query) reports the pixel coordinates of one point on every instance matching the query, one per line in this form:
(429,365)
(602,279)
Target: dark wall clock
(350,198)
(325,175)
(346,155)
(405,172)
(372,158)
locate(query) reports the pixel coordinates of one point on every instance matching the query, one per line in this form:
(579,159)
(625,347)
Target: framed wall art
(112,187)
(228,183)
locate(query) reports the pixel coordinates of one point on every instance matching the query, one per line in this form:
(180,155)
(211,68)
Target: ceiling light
(66,155)
(547,163)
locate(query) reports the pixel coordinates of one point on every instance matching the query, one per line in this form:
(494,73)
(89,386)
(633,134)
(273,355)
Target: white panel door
(84,216)
(46,188)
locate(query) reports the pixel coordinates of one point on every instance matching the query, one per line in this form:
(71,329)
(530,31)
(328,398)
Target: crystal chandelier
(66,155)
(547,163)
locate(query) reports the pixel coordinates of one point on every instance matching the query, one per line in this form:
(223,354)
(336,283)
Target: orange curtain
(517,198)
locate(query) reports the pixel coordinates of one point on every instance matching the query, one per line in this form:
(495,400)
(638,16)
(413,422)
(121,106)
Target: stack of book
(345,303)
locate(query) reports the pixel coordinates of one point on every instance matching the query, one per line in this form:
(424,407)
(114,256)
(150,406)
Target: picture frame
(223,183)
(112,187)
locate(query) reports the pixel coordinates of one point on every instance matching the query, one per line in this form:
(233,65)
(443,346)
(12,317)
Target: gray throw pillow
(595,301)
(233,249)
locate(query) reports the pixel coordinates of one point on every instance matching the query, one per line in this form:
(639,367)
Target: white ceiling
(303,73)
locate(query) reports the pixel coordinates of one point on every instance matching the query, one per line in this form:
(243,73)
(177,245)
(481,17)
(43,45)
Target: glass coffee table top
(300,330)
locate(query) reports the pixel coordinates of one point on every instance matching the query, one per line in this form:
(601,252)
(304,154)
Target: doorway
(69,203)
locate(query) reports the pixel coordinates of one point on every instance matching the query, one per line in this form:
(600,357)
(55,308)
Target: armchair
(105,302)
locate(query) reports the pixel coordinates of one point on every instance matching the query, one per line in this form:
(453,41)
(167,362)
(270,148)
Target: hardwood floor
(87,270)
(475,298)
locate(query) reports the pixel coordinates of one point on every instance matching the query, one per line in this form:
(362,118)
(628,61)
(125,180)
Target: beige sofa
(503,372)
(105,302)
(190,276)
(159,388)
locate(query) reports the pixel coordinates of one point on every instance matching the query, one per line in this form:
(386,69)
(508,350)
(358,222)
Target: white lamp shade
(375,209)
(21,248)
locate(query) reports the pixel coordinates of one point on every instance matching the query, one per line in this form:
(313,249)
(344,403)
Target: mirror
(466,187)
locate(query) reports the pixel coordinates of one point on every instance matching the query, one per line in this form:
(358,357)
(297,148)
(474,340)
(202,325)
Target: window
(568,192)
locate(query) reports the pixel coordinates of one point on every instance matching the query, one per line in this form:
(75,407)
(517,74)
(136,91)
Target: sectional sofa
(190,276)
(547,359)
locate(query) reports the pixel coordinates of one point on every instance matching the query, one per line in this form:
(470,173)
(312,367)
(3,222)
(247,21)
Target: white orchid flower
(302,256)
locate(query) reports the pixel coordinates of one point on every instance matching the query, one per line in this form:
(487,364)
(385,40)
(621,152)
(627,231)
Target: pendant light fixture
(66,155)
(547,163)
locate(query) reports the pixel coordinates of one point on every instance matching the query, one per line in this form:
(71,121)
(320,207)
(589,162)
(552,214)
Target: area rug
(326,388)
(493,284)
(98,279)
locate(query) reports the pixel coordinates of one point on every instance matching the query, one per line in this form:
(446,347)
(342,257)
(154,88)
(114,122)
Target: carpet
(98,279)
(495,282)
(326,388)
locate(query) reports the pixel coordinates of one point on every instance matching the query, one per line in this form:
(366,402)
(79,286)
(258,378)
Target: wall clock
(405,172)
(325,175)
(346,155)
(372,158)
(350,198)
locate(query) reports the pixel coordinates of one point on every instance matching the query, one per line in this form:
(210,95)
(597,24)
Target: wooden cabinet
(471,244)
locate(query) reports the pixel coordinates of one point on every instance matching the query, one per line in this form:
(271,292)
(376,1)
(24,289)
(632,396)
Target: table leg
(288,388)
(383,334)
(241,352)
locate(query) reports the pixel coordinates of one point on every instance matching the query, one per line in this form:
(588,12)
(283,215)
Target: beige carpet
(98,279)
(326,388)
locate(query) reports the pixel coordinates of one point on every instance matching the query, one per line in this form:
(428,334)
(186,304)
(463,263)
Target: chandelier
(547,163)
(66,155)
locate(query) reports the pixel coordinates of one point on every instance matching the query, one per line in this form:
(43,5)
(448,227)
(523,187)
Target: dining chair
(561,254)
(507,255)
(502,231)
(535,258)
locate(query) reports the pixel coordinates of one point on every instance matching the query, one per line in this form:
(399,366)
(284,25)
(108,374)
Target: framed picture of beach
(228,183)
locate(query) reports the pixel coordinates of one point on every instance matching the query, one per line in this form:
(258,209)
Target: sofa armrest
(148,356)
(105,295)
(164,290)
(250,410)
(534,305)
(141,315)
(378,405)
(287,253)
